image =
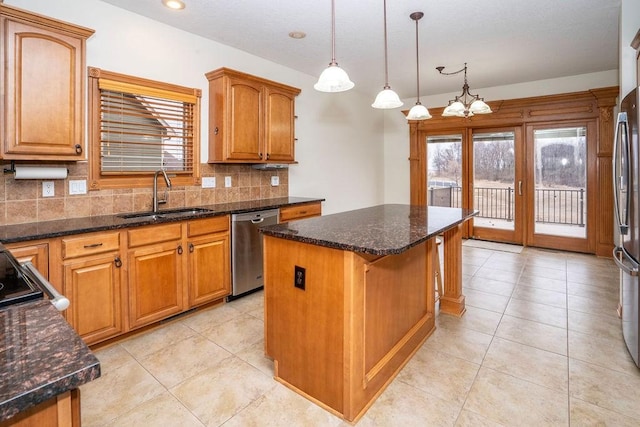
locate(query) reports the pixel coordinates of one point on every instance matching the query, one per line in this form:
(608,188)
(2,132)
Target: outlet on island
(299,278)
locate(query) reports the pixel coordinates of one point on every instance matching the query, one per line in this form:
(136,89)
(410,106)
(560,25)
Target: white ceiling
(503,41)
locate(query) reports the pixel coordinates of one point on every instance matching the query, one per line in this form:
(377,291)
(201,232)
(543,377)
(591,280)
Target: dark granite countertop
(41,357)
(50,229)
(378,230)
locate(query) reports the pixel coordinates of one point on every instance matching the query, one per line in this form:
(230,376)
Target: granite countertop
(378,230)
(64,227)
(41,357)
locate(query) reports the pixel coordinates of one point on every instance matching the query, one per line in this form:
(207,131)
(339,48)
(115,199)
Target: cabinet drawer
(208,226)
(300,211)
(154,234)
(73,247)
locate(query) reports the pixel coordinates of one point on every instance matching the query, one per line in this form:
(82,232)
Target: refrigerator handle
(624,151)
(618,254)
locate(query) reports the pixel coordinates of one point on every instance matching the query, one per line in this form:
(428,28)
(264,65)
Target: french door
(529,184)
(496,184)
(559,189)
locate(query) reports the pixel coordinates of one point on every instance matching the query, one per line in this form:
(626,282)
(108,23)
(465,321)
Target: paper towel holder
(12,168)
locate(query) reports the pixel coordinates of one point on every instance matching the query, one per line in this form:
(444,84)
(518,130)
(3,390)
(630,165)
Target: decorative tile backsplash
(21,201)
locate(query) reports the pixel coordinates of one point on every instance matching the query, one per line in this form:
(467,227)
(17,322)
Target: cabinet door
(209,272)
(155,283)
(94,288)
(44,88)
(245,130)
(280,126)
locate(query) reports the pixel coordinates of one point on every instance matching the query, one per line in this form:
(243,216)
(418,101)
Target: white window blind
(143,133)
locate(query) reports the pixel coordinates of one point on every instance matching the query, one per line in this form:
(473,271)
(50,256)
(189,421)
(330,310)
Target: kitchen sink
(173,213)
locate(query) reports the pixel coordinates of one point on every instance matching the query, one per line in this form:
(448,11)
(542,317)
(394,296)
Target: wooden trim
(45,21)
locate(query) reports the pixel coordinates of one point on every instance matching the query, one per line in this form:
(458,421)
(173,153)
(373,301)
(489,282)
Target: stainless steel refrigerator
(626,174)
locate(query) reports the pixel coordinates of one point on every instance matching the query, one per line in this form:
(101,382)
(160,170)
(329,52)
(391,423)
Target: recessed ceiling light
(173,4)
(297,34)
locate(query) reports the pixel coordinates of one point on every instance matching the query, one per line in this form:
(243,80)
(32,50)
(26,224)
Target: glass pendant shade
(333,79)
(418,112)
(387,99)
(479,107)
(455,109)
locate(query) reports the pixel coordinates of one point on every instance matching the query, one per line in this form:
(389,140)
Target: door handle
(621,151)
(519,188)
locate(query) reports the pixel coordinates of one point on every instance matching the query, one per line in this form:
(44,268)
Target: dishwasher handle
(257,221)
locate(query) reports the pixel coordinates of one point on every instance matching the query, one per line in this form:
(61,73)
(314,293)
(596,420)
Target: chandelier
(465,104)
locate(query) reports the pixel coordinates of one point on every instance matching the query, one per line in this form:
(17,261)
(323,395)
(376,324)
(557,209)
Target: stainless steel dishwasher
(246,250)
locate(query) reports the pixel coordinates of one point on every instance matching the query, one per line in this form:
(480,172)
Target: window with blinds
(139,126)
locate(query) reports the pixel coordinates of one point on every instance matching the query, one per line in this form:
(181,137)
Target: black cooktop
(14,286)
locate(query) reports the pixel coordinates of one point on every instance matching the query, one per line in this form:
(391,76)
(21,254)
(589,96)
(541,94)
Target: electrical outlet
(227,181)
(78,186)
(275,181)
(209,182)
(48,189)
(299,278)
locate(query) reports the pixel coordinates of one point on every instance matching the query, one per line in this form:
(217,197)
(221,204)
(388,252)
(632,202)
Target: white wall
(396,135)
(629,25)
(340,142)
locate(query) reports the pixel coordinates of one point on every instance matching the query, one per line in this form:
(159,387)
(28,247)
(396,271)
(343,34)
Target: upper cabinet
(251,120)
(42,66)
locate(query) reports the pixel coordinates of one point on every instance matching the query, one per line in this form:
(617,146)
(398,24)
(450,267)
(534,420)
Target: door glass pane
(560,176)
(493,179)
(444,170)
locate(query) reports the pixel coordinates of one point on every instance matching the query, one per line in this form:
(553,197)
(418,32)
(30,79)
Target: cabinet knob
(215,131)
(260,155)
(191,247)
(78,148)
(179,249)
(268,156)
(118,262)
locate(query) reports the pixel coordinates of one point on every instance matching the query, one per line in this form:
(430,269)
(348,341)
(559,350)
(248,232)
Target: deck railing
(551,206)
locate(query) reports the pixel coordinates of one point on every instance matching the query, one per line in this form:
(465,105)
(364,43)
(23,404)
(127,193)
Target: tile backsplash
(21,201)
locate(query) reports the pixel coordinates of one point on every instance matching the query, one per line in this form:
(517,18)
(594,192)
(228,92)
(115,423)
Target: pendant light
(418,111)
(387,98)
(465,104)
(333,78)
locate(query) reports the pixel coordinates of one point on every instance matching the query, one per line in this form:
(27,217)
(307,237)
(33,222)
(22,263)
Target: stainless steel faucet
(167,181)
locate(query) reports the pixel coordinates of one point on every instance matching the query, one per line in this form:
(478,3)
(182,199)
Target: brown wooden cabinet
(36,253)
(62,410)
(209,260)
(156,277)
(251,120)
(93,283)
(292,213)
(42,70)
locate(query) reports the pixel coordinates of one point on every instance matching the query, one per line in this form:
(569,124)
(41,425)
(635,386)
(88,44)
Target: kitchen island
(350,297)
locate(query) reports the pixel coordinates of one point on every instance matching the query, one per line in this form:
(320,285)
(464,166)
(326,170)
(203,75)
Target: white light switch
(227,181)
(77,186)
(275,181)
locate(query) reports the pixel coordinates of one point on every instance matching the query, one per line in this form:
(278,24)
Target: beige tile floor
(540,344)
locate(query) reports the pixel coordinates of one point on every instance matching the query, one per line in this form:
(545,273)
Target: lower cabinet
(156,283)
(292,213)
(156,276)
(94,288)
(117,281)
(36,253)
(209,260)
(92,279)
